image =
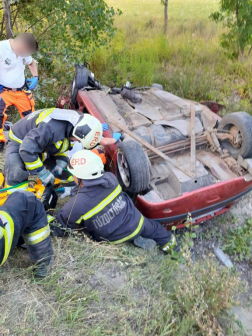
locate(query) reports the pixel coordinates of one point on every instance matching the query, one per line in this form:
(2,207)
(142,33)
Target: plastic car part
(239,124)
(132,167)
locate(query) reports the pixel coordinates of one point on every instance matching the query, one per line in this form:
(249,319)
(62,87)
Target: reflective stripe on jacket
(44,131)
(103,210)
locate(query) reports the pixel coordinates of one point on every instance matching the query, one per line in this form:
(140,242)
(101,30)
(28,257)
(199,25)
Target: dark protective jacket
(45,131)
(102,210)
(22,214)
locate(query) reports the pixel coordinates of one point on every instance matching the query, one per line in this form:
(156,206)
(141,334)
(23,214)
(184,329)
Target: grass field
(98,289)
(188,61)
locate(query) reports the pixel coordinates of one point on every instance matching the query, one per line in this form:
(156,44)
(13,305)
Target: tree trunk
(7,18)
(165,15)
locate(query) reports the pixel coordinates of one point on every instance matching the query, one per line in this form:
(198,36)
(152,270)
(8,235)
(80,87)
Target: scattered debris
(222,257)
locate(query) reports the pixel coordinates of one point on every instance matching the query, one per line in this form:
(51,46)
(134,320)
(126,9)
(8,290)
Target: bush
(238,241)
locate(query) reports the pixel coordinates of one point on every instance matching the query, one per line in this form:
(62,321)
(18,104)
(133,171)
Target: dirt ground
(103,276)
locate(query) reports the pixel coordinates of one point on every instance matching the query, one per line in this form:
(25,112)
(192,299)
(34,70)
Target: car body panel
(203,204)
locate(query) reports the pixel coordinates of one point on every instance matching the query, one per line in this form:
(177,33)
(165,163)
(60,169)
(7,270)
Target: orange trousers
(22,100)
(101,154)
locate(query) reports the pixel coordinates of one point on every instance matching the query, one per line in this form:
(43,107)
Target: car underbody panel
(199,175)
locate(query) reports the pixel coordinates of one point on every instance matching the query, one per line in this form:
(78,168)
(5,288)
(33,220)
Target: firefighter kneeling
(102,209)
(23,215)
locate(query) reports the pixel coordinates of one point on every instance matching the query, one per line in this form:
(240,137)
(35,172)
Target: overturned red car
(176,155)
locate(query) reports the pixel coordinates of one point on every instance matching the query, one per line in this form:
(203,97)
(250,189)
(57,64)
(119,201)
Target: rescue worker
(23,215)
(101,209)
(14,89)
(41,140)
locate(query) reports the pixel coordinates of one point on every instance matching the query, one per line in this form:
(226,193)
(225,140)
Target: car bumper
(202,204)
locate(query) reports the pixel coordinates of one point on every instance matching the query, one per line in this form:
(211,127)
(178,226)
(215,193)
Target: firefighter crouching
(101,209)
(38,145)
(23,215)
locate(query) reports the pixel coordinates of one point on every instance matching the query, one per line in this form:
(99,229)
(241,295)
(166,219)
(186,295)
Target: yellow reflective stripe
(37,236)
(44,156)
(1,232)
(101,205)
(50,218)
(70,179)
(12,136)
(43,115)
(65,146)
(34,165)
(22,187)
(132,235)
(8,233)
(61,154)
(172,242)
(58,144)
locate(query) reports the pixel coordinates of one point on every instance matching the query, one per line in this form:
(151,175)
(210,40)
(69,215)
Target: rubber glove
(46,177)
(66,191)
(104,127)
(117,136)
(33,82)
(58,169)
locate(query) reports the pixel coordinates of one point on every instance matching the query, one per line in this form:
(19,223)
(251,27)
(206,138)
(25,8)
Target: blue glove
(33,82)
(1,86)
(46,177)
(117,136)
(104,127)
(58,169)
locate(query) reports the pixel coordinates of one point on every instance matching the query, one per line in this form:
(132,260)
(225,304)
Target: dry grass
(98,289)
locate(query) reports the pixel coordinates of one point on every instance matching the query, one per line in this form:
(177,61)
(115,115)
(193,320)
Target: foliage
(68,28)
(101,289)
(203,294)
(236,16)
(238,241)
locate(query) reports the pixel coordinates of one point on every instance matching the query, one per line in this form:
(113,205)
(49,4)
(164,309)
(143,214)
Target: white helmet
(86,165)
(89,131)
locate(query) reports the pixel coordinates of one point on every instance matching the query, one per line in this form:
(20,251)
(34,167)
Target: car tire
(241,122)
(132,167)
(80,80)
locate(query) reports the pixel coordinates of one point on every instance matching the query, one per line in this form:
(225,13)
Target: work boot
(1,146)
(144,243)
(41,255)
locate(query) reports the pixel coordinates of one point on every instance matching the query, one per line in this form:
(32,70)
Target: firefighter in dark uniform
(41,140)
(101,209)
(23,215)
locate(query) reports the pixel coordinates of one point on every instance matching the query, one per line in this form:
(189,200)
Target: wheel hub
(123,168)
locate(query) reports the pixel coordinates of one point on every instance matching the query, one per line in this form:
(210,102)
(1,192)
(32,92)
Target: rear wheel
(132,167)
(80,80)
(239,125)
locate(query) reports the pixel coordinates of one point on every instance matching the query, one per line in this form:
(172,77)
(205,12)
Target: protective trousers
(16,173)
(23,214)
(153,230)
(22,100)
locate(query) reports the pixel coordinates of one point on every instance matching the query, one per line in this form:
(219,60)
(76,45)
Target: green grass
(98,289)
(188,60)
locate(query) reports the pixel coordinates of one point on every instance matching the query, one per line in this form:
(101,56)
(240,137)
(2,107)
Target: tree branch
(2,27)
(43,32)
(15,17)
(46,16)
